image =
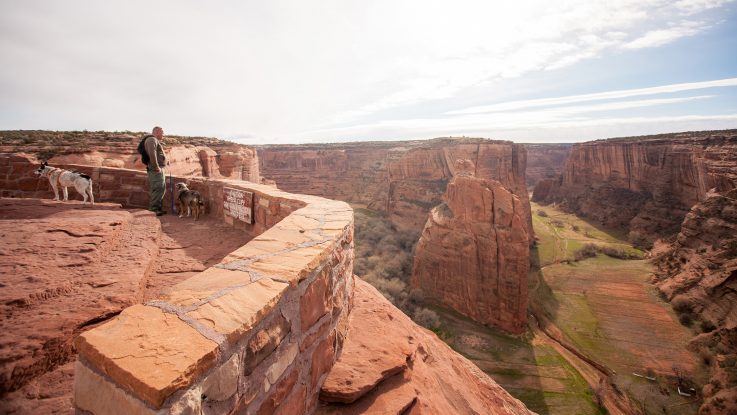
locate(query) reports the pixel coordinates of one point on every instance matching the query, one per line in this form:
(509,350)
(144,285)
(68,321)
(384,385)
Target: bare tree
(680,374)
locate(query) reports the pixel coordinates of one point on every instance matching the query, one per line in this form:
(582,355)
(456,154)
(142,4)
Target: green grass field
(530,370)
(561,234)
(606,308)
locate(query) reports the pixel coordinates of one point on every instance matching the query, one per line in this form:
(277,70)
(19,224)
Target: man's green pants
(156,189)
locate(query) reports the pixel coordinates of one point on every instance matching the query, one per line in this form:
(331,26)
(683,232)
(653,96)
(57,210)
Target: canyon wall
(473,255)
(697,274)
(545,161)
(644,185)
(405,179)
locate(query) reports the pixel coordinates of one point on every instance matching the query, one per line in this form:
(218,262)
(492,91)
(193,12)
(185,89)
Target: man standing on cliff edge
(152,144)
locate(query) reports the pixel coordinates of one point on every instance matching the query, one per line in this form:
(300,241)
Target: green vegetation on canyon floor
(384,259)
(592,288)
(606,308)
(528,368)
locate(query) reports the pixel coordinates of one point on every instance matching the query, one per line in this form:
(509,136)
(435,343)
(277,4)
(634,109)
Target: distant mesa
(545,161)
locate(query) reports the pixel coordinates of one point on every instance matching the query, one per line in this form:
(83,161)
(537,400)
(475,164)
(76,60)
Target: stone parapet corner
(152,351)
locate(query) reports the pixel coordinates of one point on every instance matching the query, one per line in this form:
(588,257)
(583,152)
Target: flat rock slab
(395,395)
(63,267)
(66,267)
(370,353)
(437,380)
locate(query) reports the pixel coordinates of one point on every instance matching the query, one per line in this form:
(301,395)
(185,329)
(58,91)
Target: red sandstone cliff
(545,161)
(189,156)
(645,184)
(390,365)
(405,179)
(698,275)
(473,254)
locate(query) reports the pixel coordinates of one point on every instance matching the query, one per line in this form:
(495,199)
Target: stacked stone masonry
(255,334)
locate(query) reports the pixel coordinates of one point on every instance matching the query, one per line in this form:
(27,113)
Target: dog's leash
(171,191)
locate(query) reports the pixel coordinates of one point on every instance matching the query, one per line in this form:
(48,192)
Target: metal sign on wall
(238,204)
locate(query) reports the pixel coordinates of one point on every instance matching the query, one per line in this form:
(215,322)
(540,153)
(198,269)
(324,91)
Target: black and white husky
(65,178)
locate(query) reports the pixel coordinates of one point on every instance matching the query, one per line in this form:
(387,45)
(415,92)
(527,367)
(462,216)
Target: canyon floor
(602,307)
(67,267)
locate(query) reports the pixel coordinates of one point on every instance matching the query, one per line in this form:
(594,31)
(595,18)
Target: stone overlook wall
(473,255)
(256,333)
(644,184)
(404,178)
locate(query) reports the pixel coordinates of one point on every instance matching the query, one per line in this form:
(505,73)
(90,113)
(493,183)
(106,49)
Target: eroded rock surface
(405,178)
(65,267)
(646,185)
(545,161)
(698,275)
(390,365)
(473,254)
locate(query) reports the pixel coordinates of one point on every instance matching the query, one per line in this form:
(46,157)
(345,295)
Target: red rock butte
(473,255)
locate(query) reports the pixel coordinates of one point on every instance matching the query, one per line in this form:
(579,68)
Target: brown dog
(190,200)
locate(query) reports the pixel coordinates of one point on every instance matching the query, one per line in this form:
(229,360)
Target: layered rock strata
(410,371)
(545,161)
(473,254)
(698,275)
(645,185)
(405,179)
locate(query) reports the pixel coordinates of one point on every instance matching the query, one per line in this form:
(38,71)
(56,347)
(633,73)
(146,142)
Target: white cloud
(660,37)
(284,67)
(516,119)
(695,6)
(522,128)
(625,93)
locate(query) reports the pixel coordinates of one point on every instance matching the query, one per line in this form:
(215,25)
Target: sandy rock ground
(67,267)
(390,365)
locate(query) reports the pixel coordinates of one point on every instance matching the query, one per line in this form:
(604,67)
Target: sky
(307,71)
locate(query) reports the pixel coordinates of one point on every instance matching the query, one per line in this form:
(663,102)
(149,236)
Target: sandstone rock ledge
(390,365)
